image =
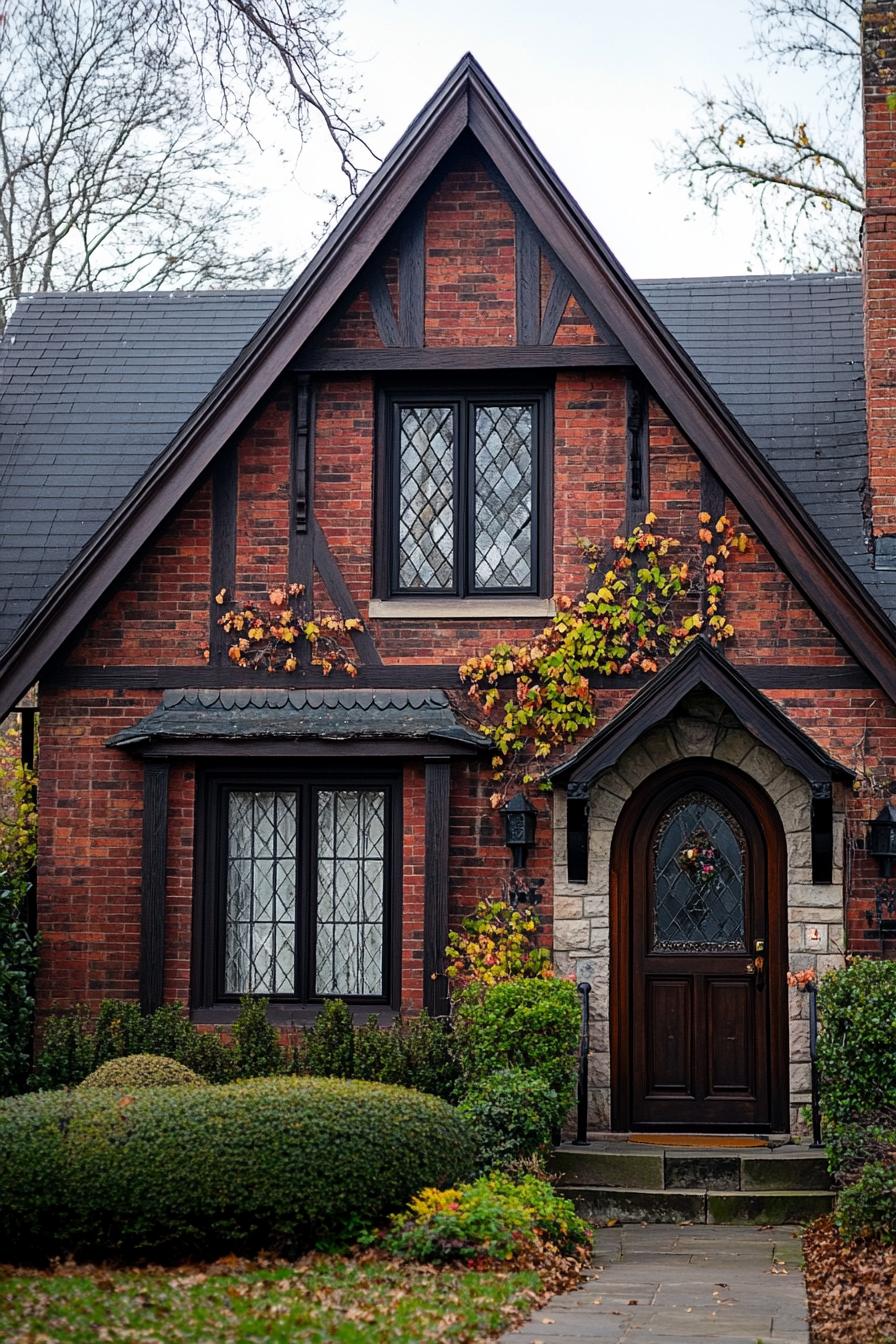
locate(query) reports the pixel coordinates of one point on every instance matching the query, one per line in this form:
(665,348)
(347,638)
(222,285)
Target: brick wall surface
(91,796)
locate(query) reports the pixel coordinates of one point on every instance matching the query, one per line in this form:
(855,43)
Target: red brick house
(460,384)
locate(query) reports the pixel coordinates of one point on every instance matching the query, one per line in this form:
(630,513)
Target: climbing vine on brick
(654,596)
(270,639)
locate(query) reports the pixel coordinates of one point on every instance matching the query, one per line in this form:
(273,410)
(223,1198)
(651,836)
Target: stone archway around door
(702,726)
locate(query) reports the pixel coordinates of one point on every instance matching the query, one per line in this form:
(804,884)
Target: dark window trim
(462,395)
(208,1002)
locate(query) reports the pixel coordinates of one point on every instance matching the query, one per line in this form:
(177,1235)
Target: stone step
(604,1204)
(621,1166)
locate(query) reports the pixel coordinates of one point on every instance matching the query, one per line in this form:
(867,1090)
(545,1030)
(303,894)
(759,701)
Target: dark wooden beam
(764,676)
(576,840)
(637,475)
(554,308)
(712,493)
(528,284)
(381,307)
(368,748)
(301,540)
(822,835)
(462,357)
(153,884)
(435,884)
(329,571)
(412,277)
(223,549)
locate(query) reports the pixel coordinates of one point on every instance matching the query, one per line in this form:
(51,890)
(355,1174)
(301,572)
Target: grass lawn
(317,1300)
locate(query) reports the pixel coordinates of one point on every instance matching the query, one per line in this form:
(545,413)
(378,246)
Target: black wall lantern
(519,827)
(882,838)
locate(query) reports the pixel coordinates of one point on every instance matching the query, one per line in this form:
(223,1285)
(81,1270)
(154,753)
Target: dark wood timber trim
(223,553)
(554,308)
(381,307)
(467,103)
(366,748)
(621,902)
(637,476)
(528,284)
(335,584)
(712,493)
(822,835)
(153,883)
(463,358)
(437,772)
(764,676)
(301,539)
(412,277)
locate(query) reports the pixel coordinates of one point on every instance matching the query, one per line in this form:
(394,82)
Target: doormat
(699,1140)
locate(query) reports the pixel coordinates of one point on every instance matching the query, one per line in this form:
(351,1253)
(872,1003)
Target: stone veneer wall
(702,726)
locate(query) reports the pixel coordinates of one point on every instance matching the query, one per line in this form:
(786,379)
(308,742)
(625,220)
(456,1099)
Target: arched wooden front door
(698,947)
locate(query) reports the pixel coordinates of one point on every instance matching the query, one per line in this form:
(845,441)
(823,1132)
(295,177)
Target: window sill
(290,1014)
(458,608)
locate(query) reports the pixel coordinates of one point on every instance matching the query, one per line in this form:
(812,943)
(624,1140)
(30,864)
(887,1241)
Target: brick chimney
(879,269)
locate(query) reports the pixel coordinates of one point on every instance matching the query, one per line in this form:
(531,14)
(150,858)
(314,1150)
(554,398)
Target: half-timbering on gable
(461,385)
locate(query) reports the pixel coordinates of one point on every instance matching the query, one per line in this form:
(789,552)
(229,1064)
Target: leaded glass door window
(300,889)
(698,878)
(464,499)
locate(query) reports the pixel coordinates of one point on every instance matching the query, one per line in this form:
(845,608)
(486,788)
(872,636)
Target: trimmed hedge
(857,1042)
(513,1114)
(141,1071)
(276,1163)
(521,1024)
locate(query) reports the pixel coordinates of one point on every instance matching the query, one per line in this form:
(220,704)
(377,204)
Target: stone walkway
(677,1284)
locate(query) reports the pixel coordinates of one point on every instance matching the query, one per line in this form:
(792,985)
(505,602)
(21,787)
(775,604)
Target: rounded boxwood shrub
(279,1163)
(142,1071)
(525,1024)
(513,1115)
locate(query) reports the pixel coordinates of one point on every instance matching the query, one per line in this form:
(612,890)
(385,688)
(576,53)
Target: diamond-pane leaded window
(350,893)
(503,492)
(303,890)
(698,855)
(260,949)
(464,504)
(426,498)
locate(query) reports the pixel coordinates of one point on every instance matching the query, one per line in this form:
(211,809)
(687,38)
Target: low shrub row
(412,1052)
(857,1077)
(275,1163)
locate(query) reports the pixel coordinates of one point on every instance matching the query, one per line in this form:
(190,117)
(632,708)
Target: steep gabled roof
(466,102)
(699,667)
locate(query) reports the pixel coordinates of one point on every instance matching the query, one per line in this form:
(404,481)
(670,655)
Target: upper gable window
(463,492)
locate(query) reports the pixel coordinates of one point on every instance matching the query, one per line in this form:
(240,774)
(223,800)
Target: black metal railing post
(813,1062)
(581,1138)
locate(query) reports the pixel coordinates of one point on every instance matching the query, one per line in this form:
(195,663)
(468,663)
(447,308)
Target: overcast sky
(597,83)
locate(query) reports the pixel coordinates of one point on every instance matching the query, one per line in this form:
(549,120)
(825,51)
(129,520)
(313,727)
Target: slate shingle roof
(94,387)
(329,715)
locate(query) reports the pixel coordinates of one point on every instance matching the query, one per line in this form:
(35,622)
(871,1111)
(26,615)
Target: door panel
(668,1033)
(698,1034)
(730,1048)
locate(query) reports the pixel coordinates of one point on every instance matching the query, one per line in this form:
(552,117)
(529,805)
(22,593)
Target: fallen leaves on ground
(320,1299)
(851,1288)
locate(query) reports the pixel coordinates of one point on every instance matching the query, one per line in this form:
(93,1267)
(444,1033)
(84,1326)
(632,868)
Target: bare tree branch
(122,136)
(805,178)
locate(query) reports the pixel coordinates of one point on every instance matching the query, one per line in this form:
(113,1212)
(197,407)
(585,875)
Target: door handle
(756,966)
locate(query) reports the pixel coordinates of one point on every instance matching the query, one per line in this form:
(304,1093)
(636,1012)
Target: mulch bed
(851,1289)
